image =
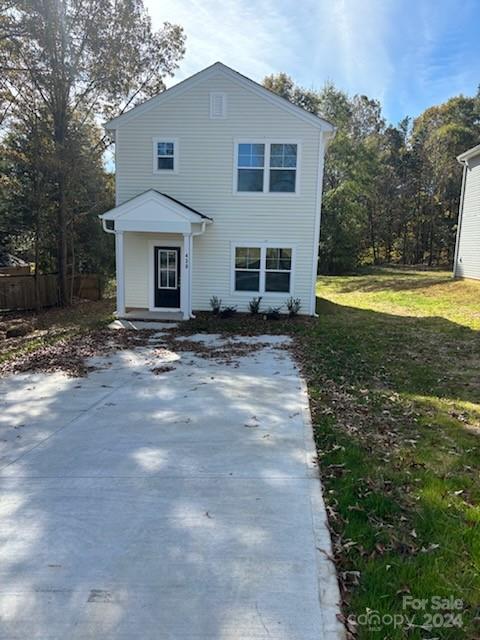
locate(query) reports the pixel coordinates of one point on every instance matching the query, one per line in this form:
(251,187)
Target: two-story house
(218,193)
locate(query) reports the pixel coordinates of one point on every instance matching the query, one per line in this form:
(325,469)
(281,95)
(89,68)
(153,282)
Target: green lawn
(393,366)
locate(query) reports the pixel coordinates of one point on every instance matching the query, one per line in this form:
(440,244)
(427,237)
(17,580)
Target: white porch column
(185,291)
(120,272)
(190,274)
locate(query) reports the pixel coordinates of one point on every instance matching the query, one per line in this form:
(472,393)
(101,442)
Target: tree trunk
(60,91)
(404,249)
(60,117)
(37,257)
(430,243)
(372,236)
(36,204)
(62,241)
(72,269)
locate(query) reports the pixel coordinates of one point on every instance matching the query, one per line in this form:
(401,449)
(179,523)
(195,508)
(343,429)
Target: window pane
(172,259)
(253,259)
(275,281)
(163,278)
(282,180)
(165,163)
(247,257)
(247,280)
(250,180)
(244,160)
(276,155)
(283,155)
(258,160)
(272,258)
(241,257)
(251,155)
(165,148)
(163,258)
(285,261)
(171,279)
(258,149)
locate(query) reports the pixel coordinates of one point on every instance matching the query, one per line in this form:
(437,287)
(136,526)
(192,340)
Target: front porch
(154,237)
(152,316)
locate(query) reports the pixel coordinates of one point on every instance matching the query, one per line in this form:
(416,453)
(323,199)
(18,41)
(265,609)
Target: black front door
(167,277)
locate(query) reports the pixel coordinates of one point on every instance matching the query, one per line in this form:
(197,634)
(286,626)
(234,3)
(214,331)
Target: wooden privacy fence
(17,292)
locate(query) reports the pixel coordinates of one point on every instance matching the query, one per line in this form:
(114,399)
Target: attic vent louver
(218,105)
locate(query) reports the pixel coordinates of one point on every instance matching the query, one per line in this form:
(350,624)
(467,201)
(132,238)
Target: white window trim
(176,155)
(263,246)
(266,168)
(213,95)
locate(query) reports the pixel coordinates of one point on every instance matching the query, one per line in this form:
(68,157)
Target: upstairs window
(266,167)
(251,164)
(165,155)
(283,167)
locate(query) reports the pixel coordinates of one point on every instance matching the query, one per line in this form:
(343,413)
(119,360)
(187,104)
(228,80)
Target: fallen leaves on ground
(69,354)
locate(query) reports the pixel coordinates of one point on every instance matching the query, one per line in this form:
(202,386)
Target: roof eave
(470,153)
(219,67)
(116,211)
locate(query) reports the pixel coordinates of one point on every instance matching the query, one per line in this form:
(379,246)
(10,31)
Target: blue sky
(408,54)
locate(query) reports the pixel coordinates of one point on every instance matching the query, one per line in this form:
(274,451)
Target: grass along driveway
(394,375)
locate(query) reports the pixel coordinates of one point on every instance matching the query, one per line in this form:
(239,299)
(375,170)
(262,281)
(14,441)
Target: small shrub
(216,304)
(293,305)
(254,305)
(228,312)
(273,313)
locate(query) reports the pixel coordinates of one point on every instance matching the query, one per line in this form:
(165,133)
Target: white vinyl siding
(136,269)
(468,259)
(206,177)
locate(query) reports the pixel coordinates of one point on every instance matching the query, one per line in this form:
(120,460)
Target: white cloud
(406,53)
(313,40)
(248,37)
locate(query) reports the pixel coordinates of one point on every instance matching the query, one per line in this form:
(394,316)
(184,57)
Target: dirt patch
(69,354)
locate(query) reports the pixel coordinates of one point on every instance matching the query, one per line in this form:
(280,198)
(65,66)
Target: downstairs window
(263,269)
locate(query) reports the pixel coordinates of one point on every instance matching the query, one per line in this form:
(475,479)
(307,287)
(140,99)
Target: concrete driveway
(178,505)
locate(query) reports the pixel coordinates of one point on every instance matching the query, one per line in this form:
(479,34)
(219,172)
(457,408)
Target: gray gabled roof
(247,83)
(186,206)
(115,211)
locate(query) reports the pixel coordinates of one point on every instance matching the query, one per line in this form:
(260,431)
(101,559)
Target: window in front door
(167,277)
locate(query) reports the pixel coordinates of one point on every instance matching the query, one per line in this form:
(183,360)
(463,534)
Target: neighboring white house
(467,250)
(218,193)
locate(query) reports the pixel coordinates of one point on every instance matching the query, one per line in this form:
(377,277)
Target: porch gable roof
(153,211)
